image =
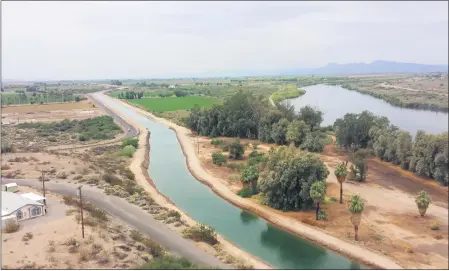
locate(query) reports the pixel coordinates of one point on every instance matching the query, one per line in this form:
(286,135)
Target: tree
(356,207)
(249,176)
(360,168)
(422,201)
(279,130)
(287,176)
(236,150)
(317,193)
(313,143)
(313,117)
(341,172)
(296,132)
(218,158)
(180,93)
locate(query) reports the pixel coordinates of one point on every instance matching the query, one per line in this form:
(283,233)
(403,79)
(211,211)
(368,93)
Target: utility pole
(81,210)
(43,185)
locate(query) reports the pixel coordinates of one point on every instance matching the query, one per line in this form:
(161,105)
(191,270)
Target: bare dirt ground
(56,242)
(49,112)
(420,84)
(389,194)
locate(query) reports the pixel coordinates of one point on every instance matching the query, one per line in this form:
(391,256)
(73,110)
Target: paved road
(132,132)
(133,216)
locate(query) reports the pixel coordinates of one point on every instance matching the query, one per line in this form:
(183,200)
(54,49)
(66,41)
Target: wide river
(335,102)
(255,235)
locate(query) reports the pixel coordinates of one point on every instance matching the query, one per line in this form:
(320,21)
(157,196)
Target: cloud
(83,40)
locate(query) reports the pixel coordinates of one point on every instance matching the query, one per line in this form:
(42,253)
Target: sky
(105,40)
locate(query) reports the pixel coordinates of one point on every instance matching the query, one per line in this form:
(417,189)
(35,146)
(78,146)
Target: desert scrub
(216,142)
(171,262)
(97,128)
(27,236)
(11,226)
(203,233)
(322,215)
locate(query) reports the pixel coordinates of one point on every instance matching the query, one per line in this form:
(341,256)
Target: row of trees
(244,115)
(130,95)
(426,155)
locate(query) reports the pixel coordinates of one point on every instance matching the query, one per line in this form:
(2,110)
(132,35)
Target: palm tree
(317,193)
(356,207)
(422,201)
(341,172)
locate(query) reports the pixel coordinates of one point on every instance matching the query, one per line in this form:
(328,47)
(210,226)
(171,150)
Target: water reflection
(247,218)
(293,251)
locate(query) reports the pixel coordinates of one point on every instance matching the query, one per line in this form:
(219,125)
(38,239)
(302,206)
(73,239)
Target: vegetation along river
(335,102)
(255,235)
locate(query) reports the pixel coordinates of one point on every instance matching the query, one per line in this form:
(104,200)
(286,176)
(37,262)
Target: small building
(14,205)
(10,187)
(34,197)
(172,86)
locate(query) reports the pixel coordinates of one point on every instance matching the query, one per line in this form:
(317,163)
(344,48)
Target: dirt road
(134,217)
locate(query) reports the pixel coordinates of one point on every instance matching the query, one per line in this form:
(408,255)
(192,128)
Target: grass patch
(174,103)
(289,93)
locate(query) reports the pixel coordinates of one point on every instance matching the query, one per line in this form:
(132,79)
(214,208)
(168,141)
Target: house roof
(10,184)
(12,202)
(32,196)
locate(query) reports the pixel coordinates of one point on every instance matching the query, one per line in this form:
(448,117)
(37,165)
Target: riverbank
(290,93)
(291,225)
(139,166)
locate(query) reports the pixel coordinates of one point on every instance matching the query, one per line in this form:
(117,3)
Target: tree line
(426,155)
(244,115)
(141,94)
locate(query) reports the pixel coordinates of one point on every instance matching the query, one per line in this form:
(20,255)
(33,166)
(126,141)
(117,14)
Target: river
(169,171)
(335,102)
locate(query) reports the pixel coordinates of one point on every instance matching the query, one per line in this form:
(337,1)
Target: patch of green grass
(174,103)
(171,262)
(288,93)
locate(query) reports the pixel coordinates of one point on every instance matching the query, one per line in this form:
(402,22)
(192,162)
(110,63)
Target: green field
(173,103)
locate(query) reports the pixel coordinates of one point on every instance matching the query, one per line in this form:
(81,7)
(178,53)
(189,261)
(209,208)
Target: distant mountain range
(379,66)
(375,67)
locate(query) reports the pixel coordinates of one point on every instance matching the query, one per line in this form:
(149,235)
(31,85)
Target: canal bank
(278,251)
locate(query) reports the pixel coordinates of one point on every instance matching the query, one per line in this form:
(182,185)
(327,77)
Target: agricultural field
(158,105)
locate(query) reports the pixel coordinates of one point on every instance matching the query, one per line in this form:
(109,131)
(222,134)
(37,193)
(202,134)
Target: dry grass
(11,227)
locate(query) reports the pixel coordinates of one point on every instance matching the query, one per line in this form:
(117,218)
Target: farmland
(158,105)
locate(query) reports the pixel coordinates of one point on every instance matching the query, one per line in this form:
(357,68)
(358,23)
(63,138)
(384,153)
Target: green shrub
(218,158)
(236,150)
(216,142)
(202,233)
(130,141)
(235,166)
(245,192)
(435,227)
(128,151)
(322,215)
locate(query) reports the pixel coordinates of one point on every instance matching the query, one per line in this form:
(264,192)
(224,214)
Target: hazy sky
(92,40)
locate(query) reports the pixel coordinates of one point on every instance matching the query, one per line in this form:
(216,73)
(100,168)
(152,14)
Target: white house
(10,187)
(33,197)
(20,208)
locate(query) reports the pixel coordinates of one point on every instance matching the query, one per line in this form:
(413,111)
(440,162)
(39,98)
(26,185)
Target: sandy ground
(354,251)
(138,170)
(57,227)
(49,112)
(30,165)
